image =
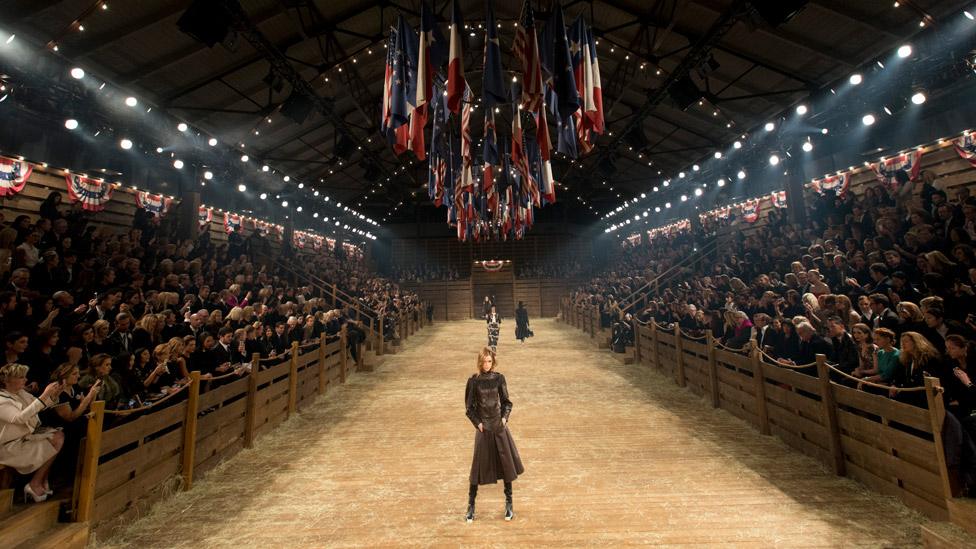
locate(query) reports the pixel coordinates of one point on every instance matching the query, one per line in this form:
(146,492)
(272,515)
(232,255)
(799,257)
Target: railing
(890,446)
(123,469)
(638,297)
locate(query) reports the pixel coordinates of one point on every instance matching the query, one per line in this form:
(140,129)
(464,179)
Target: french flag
(455,64)
(593,94)
(431,56)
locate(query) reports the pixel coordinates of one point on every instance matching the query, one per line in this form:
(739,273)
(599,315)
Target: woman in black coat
(522,330)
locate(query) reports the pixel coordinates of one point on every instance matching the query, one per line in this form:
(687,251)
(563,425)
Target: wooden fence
(892,447)
(125,468)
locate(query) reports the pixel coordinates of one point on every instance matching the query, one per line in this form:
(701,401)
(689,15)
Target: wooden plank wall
(498,284)
(450,299)
(455,300)
(885,444)
(449,252)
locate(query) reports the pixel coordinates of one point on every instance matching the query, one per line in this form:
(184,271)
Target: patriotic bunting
(750,210)
(204,216)
(891,171)
(232,223)
(778,199)
(837,184)
(13,176)
(155,204)
(966,147)
(91,193)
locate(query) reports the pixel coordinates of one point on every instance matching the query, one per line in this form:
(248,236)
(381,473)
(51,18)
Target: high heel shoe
(47,489)
(29,494)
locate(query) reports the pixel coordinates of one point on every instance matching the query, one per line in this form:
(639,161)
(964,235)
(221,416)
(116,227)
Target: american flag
(525,48)
(467,177)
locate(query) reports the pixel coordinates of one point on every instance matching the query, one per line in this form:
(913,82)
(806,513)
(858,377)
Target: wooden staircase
(36,525)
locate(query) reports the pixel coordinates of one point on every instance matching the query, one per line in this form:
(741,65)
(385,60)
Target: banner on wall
(778,199)
(902,166)
(204,216)
(837,184)
(299,240)
(750,210)
(13,175)
(155,204)
(91,193)
(966,147)
(232,223)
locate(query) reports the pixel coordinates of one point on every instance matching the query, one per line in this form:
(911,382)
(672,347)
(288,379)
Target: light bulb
(182,126)
(741,174)
(904,51)
(856,79)
(242,187)
(131,101)
(71,124)
(807,146)
(918,98)
(773,159)
(801,109)
(77,73)
(208,175)
(244,158)
(212,142)
(178,164)
(126,144)
(770,126)
(868,119)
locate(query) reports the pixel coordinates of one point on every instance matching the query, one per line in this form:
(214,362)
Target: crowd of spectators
(425,272)
(881,282)
(88,313)
(558,268)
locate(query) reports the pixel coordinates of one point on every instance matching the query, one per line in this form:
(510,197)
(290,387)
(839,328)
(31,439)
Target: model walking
(494,328)
(522,330)
(495,456)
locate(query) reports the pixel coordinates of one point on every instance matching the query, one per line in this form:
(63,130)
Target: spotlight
(718,155)
(212,142)
(126,144)
(737,145)
(182,126)
(698,192)
(824,131)
(696,167)
(71,124)
(178,164)
(868,119)
(801,109)
(159,150)
(10,39)
(286,179)
(284,203)
(244,158)
(740,175)
(918,98)
(657,209)
(684,198)
(969,15)
(208,175)
(265,168)
(131,101)
(904,51)
(807,146)
(773,160)
(720,183)
(856,79)
(77,73)
(887,110)
(681,175)
(264,196)
(667,204)
(770,126)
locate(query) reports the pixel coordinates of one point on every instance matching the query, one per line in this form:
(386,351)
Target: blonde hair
(922,349)
(12,371)
(235,314)
(101,324)
(914,313)
(486,351)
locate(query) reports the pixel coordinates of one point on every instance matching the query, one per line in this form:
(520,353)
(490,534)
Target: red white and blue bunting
(298,239)
(91,193)
(232,223)
(155,204)
(966,147)
(204,216)
(750,210)
(837,184)
(778,199)
(13,175)
(887,169)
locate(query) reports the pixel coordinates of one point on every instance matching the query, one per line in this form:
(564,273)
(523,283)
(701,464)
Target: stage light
(244,158)
(824,131)
(801,109)
(284,203)
(315,215)
(263,196)
(159,150)
(655,188)
(182,126)
(11,39)
(77,73)
(126,144)
(807,146)
(286,179)
(178,164)
(904,51)
(265,168)
(740,175)
(667,204)
(856,79)
(868,119)
(918,98)
(770,126)
(657,209)
(773,160)
(131,101)
(737,145)
(720,182)
(71,124)
(969,15)
(208,175)
(666,182)
(242,187)
(887,110)
(698,192)
(718,155)
(696,167)
(212,142)
(681,175)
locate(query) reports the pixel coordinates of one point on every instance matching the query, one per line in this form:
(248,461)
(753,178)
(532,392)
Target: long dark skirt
(495,457)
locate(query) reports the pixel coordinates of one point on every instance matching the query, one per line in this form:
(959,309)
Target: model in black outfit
(522,323)
(495,456)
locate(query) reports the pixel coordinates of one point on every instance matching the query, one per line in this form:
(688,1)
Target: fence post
(333,295)
(594,320)
(190,430)
(293,379)
(89,464)
(369,338)
(679,355)
(637,341)
(759,384)
(830,416)
(712,367)
(321,366)
(250,407)
(344,344)
(380,336)
(933,394)
(655,350)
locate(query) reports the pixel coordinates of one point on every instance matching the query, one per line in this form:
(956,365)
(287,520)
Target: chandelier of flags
(557,70)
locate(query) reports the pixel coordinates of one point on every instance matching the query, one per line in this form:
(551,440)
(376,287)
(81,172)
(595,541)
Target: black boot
(509,513)
(472,493)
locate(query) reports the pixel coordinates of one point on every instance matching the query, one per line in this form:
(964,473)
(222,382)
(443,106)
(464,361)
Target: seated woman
(885,359)
(918,358)
(65,414)
(99,368)
(23,446)
(158,375)
(866,349)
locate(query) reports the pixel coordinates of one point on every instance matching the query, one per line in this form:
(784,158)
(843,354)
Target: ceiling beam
(89,44)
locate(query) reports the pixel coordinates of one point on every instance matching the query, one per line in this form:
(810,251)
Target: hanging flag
(401,100)
(836,184)
(564,99)
(455,68)
(13,175)
(908,165)
(493,85)
(528,190)
(750,210)
(592,94)
(467,160)
(546,180)
(204,216)
(490,161)
(232,223)
(387,126)
(577,47)
(525,48)
(92,193)
(155,204)
(965,146)
(778,199)
(439,150)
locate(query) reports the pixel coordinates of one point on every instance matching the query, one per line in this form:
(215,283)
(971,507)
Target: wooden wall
(498,284)
(449,252)
(455,300)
